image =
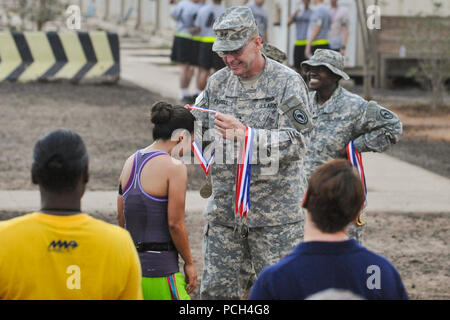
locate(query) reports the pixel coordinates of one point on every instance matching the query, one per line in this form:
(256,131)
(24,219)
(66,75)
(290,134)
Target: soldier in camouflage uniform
(341,116)
(258,92)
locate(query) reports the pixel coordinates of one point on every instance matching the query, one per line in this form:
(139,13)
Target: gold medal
(361,219)
(244,231)
(206,190)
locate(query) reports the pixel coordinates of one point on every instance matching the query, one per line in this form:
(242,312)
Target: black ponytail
(168,118)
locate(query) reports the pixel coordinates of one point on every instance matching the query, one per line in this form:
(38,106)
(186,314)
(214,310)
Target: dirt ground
(426,137)
(113,121)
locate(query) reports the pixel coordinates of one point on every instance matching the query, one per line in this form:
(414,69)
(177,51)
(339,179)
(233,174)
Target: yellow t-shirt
(45,256)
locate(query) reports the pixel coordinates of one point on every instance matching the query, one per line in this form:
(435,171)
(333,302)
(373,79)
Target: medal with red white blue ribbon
(200,109)
(243,174)
(205,164)
(355,159)
(206,189)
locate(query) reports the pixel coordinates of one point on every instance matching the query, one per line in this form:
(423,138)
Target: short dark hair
(60,159)
(335,195)
(167,118)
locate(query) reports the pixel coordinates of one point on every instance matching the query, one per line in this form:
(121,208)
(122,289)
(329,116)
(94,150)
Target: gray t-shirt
(261,18)
(302,23)
(320,16)
(339,20)
(206,17)
(184,14)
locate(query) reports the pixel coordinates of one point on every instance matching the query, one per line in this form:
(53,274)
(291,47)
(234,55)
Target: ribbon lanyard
(355,159)
(243,171)
(200,109)
(243,174)
(205,164)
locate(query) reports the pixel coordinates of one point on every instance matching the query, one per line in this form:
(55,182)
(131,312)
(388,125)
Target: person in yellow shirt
(60,252)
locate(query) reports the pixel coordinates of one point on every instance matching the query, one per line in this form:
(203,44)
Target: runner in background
(261,17)
(318,29)
(339,27)
(184,48)
(301,18)
(207,59)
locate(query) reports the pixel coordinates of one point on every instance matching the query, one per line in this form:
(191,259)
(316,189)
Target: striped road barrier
(46,56)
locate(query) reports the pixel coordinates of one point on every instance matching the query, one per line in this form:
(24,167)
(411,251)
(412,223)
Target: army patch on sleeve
(376,112)
(294,109)
(300,116)
(385,114)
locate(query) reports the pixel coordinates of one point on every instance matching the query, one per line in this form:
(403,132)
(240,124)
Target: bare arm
(120,216)
(291,19)
(123,179)
(177,227)
(344,39)
(314,33)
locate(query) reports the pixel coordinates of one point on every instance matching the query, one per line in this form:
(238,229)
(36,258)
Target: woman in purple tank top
(151,205)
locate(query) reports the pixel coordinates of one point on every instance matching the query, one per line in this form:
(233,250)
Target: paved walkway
(393,185)
(104,201)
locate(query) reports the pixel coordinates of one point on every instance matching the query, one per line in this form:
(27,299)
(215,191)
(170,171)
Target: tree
(46,10)
(37,11)
(427,39)
(368,40)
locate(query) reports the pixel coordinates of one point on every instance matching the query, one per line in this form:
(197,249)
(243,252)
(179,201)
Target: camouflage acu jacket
(345,117)
(277,107)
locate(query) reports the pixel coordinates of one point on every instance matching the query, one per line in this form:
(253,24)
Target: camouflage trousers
(357,232)
(231,263)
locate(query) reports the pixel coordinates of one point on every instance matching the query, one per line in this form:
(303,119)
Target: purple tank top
(146,220)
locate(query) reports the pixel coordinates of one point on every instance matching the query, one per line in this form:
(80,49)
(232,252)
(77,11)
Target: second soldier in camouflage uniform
(261,93)
(340,117)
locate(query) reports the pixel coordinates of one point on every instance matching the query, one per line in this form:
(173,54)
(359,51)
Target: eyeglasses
(234,53)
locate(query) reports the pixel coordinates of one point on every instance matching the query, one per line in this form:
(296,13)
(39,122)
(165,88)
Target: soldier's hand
(229,127)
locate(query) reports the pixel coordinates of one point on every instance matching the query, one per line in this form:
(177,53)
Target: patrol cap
(331,59)
(273,53)
(234,28)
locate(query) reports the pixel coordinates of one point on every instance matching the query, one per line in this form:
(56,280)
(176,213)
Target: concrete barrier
(46,56)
